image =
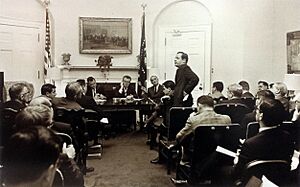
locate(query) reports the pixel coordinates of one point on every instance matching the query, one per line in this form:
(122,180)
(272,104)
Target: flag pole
(142,56)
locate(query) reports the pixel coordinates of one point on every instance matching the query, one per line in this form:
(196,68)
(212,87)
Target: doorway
(196,42)
(21,53)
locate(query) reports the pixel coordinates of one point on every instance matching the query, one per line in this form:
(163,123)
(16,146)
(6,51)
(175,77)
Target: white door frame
(160,52)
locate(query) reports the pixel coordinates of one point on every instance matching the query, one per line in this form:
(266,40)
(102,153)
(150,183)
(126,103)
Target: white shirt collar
(266,128)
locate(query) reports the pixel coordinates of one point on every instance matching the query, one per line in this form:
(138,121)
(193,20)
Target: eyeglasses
(25,93)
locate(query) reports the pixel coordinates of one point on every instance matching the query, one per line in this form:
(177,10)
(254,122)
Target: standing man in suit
(156,91)
(185,80)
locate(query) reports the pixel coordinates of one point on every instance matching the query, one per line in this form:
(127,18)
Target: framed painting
(293,52)
(105,35)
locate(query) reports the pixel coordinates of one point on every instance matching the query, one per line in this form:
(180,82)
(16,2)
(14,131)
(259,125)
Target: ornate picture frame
(293,52)
(105,35)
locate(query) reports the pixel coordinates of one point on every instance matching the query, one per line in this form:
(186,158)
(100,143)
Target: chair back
(65,138)
(177,120)
(235,111)
(249,102)
(204,159)
(294,129)
(7,120)
(277,171)
(252,129)
(71,116)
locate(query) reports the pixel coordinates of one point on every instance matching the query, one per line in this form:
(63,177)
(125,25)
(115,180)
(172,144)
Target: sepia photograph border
(105,35)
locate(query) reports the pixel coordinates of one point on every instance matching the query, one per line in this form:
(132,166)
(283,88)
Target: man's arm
(192,80)
(187,129)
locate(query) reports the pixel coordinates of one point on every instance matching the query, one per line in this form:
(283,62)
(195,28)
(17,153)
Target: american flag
(142,59)
(47,55)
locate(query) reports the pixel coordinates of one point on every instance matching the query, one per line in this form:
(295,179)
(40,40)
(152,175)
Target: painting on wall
(293,52)
(105,35)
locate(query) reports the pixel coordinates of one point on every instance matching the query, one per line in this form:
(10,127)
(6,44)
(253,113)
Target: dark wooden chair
(249,102)
(7,120)
(94,128)
(235,111)
(204,160)
(76,119)
(276,171)
(177,118)
(252,129)
(292,128)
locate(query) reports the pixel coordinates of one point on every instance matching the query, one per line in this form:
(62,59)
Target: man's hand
(70,151)
(144,89)
(296,114)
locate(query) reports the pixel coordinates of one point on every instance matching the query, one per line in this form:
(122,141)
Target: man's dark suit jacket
(271,144)
(130,91)
(155,96)
(185,80)
(16,105)
(247,94)
(88,102)
(89,91)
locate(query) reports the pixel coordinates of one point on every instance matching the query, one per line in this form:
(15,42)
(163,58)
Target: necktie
(154,89)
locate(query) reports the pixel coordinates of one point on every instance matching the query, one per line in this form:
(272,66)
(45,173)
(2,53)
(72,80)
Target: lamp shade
(292,81)
(54,73)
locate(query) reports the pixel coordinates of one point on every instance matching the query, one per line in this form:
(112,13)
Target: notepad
(226,151)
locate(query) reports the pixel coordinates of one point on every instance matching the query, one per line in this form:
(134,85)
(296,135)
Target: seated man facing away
(216,91)
(41,115)
(31,158)
(246,88)
(205,115)
(73,93)
(271,143)
(234,94)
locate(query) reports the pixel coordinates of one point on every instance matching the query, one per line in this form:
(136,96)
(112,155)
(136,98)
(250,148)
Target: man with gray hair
(234,94)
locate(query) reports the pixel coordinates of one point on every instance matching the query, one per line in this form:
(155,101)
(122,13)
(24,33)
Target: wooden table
(142,106)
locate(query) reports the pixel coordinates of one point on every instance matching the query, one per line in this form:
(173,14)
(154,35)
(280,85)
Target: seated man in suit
(205,115)
(93,90)
(262,85)
(250,117)
(271,143)
(234,94)
(216,91)
(19,97)
(31,158)
(48,91)
(125,90)
(161,113)
(73,93)
(246,88)
(280,91)
(154,92)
